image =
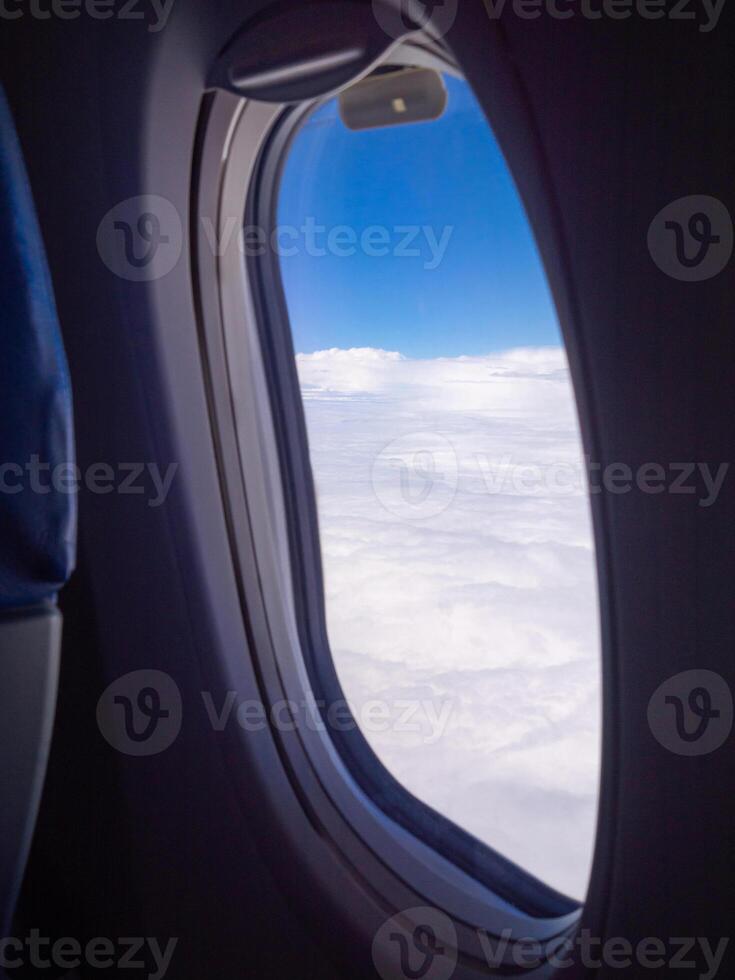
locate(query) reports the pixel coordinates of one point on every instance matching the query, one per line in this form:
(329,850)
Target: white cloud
(456,573)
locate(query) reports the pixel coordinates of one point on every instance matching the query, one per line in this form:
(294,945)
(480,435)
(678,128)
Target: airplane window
(457,552)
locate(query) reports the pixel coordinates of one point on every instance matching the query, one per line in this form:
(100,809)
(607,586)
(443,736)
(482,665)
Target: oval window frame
(250,369)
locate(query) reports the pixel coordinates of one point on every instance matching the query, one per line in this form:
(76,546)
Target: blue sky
(487,291)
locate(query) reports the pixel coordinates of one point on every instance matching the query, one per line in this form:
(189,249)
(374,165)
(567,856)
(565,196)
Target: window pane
(457,549)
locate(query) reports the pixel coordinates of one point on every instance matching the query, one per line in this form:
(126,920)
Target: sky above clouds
(447,176)
(456,538)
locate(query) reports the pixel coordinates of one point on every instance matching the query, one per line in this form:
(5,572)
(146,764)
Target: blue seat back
(37,497)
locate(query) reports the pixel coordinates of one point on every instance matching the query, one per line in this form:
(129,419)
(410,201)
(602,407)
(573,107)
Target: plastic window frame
(265,477)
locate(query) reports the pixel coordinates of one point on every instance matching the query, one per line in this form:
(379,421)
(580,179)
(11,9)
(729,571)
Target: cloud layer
(459,572)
